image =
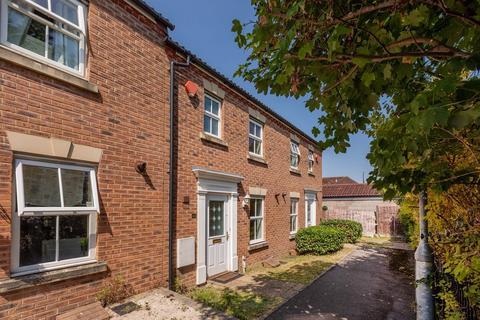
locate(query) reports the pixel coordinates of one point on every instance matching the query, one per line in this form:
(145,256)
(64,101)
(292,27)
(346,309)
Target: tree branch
(342,79)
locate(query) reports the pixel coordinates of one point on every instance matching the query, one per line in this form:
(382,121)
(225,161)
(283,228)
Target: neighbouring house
(95,181)
(344,198)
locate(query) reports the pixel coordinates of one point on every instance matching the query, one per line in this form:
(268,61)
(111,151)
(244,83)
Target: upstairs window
(52,31)
(211,118)
(294,155)
(255,138)
(311,161)
(55,220)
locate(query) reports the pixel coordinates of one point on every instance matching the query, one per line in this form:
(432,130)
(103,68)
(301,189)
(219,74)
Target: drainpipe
(171,214)
(423,267)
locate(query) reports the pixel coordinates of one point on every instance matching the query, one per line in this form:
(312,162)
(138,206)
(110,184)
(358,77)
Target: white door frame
(212,182)
(311,196)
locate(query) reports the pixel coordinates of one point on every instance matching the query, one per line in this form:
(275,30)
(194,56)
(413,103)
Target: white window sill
(41,278)
(256,245)
(310,173)
(213,139)
(256,158)
(46,69)
(292,235)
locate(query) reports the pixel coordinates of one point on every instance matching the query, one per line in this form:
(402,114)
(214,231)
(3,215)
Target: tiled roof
(338,180)
(349,190)
(158,16)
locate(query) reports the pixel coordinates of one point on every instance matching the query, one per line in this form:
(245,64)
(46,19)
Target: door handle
(228,236)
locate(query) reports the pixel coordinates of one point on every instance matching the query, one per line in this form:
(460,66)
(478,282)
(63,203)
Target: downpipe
(423,267)
(171,216)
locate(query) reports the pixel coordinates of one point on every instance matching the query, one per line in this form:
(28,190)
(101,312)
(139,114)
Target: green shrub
(352,229)
(319,240)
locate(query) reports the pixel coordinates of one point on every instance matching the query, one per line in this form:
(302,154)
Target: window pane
(63,49)
(215,127)
(251,145)
(294,160)
(26,32)
(73,237)
(252,128)
(43,3)
(215,107)
(41,187)
(259,132)
(208,104)
(65,10)
(77,189)
(256,210)
(37,240)
(258,229)
(252,230)
(216,218)
(258,147)
(206,124)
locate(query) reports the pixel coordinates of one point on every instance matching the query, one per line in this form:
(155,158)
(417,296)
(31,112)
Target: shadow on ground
(373,283)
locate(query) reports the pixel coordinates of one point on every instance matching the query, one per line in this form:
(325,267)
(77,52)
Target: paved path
(371,284)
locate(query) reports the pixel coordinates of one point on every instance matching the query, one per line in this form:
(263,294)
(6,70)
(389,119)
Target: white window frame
(81,28)
(256,138)
(91,212)
(213,116)
(294,214)
(294,151)
(311,161)
(262,218)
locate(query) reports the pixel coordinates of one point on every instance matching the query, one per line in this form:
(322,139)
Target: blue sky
(204,28)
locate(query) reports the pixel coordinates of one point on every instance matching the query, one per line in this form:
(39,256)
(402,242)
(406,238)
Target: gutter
(171,214)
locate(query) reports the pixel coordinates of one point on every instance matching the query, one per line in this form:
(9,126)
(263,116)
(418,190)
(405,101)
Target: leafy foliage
(404,72)
(319,240)
(352,229)
(454,227)
(408,216)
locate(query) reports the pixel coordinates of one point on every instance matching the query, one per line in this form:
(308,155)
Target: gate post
(423,267)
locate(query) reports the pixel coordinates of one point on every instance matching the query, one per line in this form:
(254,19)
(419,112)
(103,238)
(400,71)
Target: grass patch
(301,269)
(242,305)
(376,241)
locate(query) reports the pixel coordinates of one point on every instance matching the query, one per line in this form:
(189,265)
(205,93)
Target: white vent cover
(185,252)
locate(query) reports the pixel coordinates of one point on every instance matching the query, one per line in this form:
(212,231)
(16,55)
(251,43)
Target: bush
(352,229)
(319,240)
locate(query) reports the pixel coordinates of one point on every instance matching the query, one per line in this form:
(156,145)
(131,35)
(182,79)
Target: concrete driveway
(372,283)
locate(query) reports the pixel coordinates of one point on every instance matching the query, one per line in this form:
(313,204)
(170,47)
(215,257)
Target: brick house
(85,160)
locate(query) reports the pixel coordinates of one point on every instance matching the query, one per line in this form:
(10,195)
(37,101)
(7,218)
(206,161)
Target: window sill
(212,139)
(292,236)
(42,68)
(46,277)
(258,245)
(295,171)
(258,159)
(311,174)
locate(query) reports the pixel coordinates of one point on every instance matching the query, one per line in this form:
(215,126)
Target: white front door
(217,217)
(310,210)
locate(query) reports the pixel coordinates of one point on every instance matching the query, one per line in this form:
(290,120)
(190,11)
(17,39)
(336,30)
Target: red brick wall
(128,119)
(275,177)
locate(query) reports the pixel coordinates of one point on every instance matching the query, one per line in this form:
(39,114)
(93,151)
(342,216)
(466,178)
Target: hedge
(319,240)
(352,229)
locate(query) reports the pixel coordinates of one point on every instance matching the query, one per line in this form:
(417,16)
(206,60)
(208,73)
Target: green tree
(404,72)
